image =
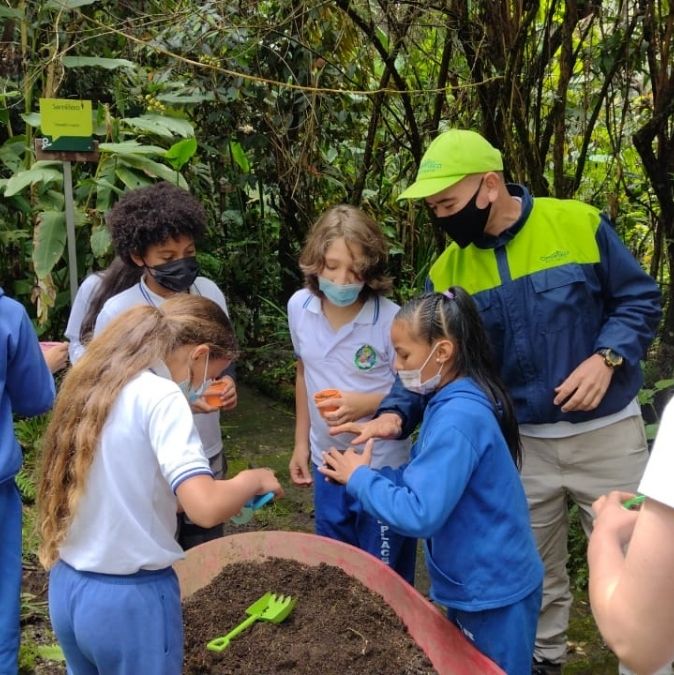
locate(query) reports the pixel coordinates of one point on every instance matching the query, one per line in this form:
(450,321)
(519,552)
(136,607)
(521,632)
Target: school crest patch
(365,358)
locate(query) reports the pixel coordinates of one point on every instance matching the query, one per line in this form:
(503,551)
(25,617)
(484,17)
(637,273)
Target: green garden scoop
(270,607)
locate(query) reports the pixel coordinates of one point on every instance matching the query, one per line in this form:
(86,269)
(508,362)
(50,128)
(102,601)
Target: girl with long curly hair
(121,453)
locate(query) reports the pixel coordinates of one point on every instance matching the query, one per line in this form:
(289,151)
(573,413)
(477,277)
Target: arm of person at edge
(300,471)
(29,382)
(631,558)
(633,310)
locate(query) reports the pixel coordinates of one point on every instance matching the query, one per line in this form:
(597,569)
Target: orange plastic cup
(213,392)
(324,395)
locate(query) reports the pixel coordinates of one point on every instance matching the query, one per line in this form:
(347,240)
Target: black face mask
(467,225)
(176,275)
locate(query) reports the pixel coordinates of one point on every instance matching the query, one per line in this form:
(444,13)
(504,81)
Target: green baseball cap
(453,155)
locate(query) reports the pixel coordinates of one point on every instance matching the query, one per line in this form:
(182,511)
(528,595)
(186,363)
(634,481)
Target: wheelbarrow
(442,642)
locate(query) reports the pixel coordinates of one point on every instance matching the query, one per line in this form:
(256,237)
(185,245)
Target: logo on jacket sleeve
(365,357)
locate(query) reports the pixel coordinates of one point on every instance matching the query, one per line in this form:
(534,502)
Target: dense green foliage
(295,106)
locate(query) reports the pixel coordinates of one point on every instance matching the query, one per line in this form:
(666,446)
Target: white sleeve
(103,319)
(209,289)
(657,482)
(292,324)
(77,314)
(175,440)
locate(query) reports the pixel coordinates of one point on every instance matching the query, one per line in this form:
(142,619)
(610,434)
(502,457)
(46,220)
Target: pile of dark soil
(338,627)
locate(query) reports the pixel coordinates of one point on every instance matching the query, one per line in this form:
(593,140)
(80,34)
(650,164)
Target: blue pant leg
(332,516)
(377,538)
(64,592)
(127,625)
(506,634)
(10,576)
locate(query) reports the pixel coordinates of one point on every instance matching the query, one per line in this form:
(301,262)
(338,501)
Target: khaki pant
(581,467)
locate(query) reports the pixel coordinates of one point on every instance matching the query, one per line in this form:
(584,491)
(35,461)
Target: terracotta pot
(446,647)
(324,395)
(213,392)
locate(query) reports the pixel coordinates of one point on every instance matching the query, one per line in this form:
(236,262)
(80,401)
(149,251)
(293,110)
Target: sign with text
(66,124)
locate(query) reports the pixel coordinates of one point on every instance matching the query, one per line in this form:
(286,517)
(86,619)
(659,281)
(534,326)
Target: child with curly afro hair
(154,231)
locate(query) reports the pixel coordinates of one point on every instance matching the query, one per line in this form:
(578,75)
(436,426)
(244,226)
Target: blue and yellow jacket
(460,492)
(26,385)
(553,289)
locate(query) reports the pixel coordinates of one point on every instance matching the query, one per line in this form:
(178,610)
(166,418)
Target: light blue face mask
(341,295)
(191,393)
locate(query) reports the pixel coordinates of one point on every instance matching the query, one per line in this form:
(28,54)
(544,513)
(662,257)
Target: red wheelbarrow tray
(444,644)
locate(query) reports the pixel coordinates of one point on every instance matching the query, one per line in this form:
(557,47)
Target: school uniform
(207,424)
(26,388)
(357,357)
(114,575)
(462,494)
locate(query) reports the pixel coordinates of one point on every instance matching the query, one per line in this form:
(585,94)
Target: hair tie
(449,295)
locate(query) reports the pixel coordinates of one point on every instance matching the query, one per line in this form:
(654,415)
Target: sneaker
(545,668)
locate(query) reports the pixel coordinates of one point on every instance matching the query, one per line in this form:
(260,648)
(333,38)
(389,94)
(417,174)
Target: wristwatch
(611,359)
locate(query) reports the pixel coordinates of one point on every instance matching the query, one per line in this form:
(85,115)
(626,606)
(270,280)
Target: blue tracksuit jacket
(26,385)
(461,492)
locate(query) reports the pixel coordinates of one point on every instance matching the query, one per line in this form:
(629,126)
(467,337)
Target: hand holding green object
(637,500)
(269,607)
(251,506)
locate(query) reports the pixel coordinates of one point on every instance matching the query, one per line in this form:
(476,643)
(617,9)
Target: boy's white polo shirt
(357,357)
(126,517)
(208,424)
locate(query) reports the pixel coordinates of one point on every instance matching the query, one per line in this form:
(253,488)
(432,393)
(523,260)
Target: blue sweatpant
(10,576)
(117,624)
(506,634)
(340,516)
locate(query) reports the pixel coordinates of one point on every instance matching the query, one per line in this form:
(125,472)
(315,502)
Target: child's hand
(340,465)
(300,474)
(55,354)
(351,406)
(228,396)
(200,407)
(267,481)
(224,399)
(387,425)
(612,518)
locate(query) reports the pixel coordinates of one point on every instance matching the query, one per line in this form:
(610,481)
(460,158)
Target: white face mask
(411,379)
(192,394)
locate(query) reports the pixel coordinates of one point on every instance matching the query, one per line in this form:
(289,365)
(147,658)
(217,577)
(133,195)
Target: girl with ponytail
(460,491)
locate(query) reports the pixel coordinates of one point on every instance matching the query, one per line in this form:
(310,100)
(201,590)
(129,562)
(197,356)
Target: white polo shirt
(77,313)
(357,357)
(208,424)
(126,518)
(657,479)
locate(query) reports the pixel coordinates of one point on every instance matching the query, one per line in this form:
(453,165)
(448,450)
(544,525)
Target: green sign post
(68,135)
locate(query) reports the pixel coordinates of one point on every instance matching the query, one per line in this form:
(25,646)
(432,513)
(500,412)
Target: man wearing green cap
(570,314)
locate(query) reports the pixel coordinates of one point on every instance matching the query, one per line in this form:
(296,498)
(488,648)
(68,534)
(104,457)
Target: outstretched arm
(632,593)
